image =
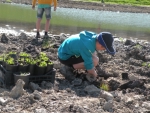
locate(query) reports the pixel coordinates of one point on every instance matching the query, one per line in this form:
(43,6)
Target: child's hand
(33,7)
(54,8)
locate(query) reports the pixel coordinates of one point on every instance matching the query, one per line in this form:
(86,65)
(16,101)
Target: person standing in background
(43,6)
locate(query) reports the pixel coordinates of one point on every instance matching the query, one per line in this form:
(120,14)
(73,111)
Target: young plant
(148,65)
(44,58)
(30,61)
(24,54)
(121,39)
(144,64)
(10,61)
(1,58)
(42,64)
(12,52)
(104,86)
(42,54)
(50,63)
(138,46)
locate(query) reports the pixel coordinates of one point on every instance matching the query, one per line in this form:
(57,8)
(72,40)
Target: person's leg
(48,17)
(47,26)
(81,65)
(38,22)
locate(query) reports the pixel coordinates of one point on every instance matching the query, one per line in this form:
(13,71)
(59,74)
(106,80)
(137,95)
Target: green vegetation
(104,86)
(24,54)
(144,64)
(127,2)
(148,65)
(138,46)
(10,61)
(42,64)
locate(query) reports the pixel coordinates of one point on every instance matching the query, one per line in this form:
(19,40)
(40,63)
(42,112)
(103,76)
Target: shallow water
(72,21)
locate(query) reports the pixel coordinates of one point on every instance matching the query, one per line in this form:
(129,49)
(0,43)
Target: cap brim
(111,50)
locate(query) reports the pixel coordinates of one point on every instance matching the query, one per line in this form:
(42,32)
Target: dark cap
(106,40)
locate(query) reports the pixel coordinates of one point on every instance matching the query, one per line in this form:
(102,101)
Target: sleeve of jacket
(33,2)
(87,57)
(55,3)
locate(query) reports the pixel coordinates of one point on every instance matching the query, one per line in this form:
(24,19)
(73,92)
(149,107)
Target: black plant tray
(7,77)
(50,76)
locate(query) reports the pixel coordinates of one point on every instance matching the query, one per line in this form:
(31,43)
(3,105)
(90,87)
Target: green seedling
(30,61)
(43,64)
(44,58)
(42,54)
(12,52)
(24,54)
(138,46)
(121,39)
(104,86)
(50,63)
(10,61)
(144,64)
(148,65)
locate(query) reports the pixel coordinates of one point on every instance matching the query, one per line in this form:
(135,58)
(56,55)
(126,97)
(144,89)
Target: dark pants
(71,61)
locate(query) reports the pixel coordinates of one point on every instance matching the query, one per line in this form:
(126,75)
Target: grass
(125,2)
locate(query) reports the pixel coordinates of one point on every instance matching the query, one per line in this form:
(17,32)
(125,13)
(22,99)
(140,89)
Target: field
(129,2)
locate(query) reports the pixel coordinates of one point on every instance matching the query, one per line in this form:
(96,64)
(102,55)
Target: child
(78,51)
(43,6)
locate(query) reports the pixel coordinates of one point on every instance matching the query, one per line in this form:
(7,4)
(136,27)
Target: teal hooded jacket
(82,44)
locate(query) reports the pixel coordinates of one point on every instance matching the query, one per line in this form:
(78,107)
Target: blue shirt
(43,5)
(82,44)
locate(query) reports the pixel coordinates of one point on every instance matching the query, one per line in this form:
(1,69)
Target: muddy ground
(71,91)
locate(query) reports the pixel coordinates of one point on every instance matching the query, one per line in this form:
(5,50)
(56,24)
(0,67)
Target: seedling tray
(7,77)
(50,76)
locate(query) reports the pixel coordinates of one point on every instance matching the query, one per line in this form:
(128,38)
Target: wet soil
(127,75)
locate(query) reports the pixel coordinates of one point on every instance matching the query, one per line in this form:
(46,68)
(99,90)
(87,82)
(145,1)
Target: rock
(147,57)
(76,82)
(17,90)
(129,42)
(106,95)
(34,86)
(129,100)
(23,36)
(4,39)
(91,89)
(41,110)
(37,95)
(146,105)
(108,105)
(67,72)
(63,37)
(3,101)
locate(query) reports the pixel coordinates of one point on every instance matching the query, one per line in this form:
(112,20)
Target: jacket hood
(89,40)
